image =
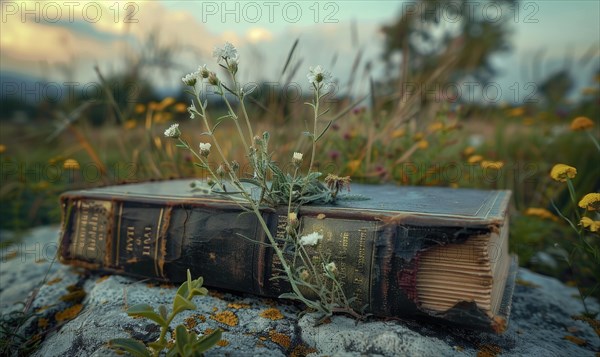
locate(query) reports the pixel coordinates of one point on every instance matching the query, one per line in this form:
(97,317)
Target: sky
(62,40)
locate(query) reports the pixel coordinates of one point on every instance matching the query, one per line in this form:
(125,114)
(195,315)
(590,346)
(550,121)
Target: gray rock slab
(540,319)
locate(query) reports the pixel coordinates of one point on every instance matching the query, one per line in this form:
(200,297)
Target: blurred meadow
(427,93)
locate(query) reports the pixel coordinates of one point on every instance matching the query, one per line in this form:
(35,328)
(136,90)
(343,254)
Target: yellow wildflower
(475,159)
(130,124)
(581,123)
(398,133)
(140,108)
(423,144)
(587,222)
(541,212)
(560,172)
(516,112)
(496,165)
(591,201)
(181,107)
(2,148)
(418,136)
(71,164)
(165,103)
(528,121)
(433,127)
(353,165)
(589,91)
(469,150)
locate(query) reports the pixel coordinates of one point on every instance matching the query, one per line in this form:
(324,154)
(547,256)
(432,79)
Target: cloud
(258,34)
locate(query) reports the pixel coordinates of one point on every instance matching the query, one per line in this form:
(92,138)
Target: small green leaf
(181,146)
(147,311)
(206,342)
(158,345)
(202,166)
(181,304)
(181,339)
(323,132)
(162,309)
(199,292)
(134,347)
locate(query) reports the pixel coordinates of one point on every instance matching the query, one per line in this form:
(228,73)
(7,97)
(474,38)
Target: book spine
(377,262)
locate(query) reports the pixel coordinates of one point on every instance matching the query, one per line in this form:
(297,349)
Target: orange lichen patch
(576,340)
(302,350)
(54,281)
(226,317)
(215,309)
(166,286)
(271,314)
(262,338)
(489,350)
(281,339)
(101,279)
(321,216)
(238,305)
(10,255)
(42,322)
(208,331)
(217,294)
(68,314)
(75,295)
(269,302)
(43,308)
(222,343)
(190,322)
(595,324)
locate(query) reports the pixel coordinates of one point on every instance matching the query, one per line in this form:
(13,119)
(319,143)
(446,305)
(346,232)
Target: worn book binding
(404,251)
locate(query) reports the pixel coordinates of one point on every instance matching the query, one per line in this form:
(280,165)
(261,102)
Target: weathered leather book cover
(160,229)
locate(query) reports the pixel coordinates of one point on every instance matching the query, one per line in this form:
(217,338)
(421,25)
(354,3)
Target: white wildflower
(227,52)
(331,268)
(297,158)
(205,149)
(192,110)
(293,218)
(311,239)
(213,79)
(318,75)
(173,131)
(203,71)
(190,79)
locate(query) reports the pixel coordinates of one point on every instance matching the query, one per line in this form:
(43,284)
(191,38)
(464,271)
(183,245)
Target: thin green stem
(594,140)
(573,197)
(234,117)
(314,133)
(247,118)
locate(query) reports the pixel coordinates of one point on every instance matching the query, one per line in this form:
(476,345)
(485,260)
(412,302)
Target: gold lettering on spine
(118,246)
(130,238)
(156,245)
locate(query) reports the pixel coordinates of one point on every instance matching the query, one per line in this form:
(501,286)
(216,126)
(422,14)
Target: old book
(405,251)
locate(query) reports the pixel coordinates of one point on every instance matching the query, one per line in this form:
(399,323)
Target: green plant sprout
(312,277)
(187,343)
